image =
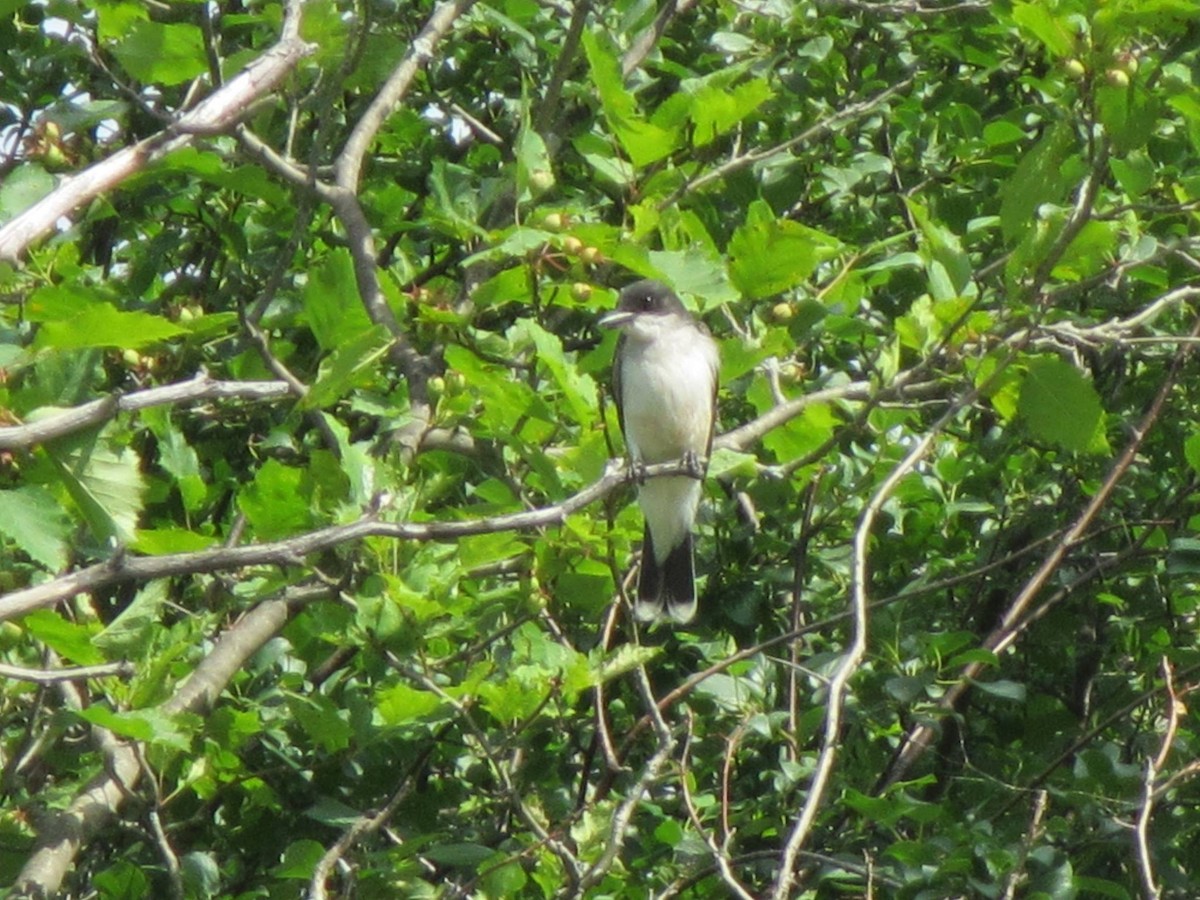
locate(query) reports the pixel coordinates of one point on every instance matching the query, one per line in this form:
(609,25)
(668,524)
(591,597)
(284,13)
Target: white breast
(668,378)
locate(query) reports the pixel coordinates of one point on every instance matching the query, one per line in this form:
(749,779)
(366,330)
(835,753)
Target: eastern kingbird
(665,383)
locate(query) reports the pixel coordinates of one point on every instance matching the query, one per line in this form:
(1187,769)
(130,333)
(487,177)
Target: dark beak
(615,319)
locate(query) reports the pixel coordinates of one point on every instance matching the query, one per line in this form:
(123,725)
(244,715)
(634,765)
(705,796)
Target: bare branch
(349,163)
(122,669)
(123,569)
(1015,618)
(89,415)
(856,650)
(645,41)
(1141,830)
(63,833)
(217,113)
(830,123)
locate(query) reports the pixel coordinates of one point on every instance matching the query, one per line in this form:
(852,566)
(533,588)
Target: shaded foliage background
(314,545)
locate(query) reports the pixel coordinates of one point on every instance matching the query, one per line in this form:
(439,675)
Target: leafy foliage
(306,460)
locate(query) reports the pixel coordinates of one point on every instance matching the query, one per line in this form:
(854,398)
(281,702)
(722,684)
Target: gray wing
(716,378)
(618,395)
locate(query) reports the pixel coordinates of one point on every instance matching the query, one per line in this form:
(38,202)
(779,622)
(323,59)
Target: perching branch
(124,569)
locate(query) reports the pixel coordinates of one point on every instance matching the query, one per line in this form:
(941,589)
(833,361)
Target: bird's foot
(695,469)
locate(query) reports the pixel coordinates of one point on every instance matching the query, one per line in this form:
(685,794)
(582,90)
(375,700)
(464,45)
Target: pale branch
(1141,831)
(122,669)
(901,8)
(126,569)
(363,826)
(217,113)
(829,124)
(621,816)
(644,42)
(123,569)
(853,656)
(394,90)
(96,412)
(342,196)
(62,834)
(1015,618)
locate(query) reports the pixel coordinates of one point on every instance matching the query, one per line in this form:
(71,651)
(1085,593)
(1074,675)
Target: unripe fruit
(581,290)
(541,180)
(783,312)
(591,255)
(1075,69)
(572,245)
(553,222)
(1117,78)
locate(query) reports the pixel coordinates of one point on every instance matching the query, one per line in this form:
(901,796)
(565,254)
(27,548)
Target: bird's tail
(667,589)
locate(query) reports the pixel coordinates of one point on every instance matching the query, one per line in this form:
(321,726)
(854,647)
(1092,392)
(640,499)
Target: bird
(665,374)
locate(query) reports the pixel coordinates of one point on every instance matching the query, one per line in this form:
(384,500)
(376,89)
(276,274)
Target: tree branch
(63,833)
(1015,620)
(89,415)
(216,114)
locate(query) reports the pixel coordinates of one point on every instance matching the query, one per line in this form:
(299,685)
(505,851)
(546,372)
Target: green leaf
(1059,405)
(768,255)
(68,640)
(480,549)
(33,520)
(324,722)
(147,725)
(400,704)
(459,854)
(347,367)
(577,389)
(1191,451)
(1004,689)
(73,317)
(130,633)
(1038,179)
(22,188)
(331,302)
(277,503)
(105,481)
(716,108)
(154,52)
(1055,33)
(644,142)
(299,860)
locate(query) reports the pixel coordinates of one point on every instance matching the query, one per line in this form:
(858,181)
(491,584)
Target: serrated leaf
(643,141)
(148,725)
(67,639)
(331,305)
(348,366)
(769,255)
(277,502)
(154,52)
(129,633)
(106,483)
(1059,405)
(400,703)
(22,188)
(71,317)
(1038,179)
(33,520)
(577,389)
